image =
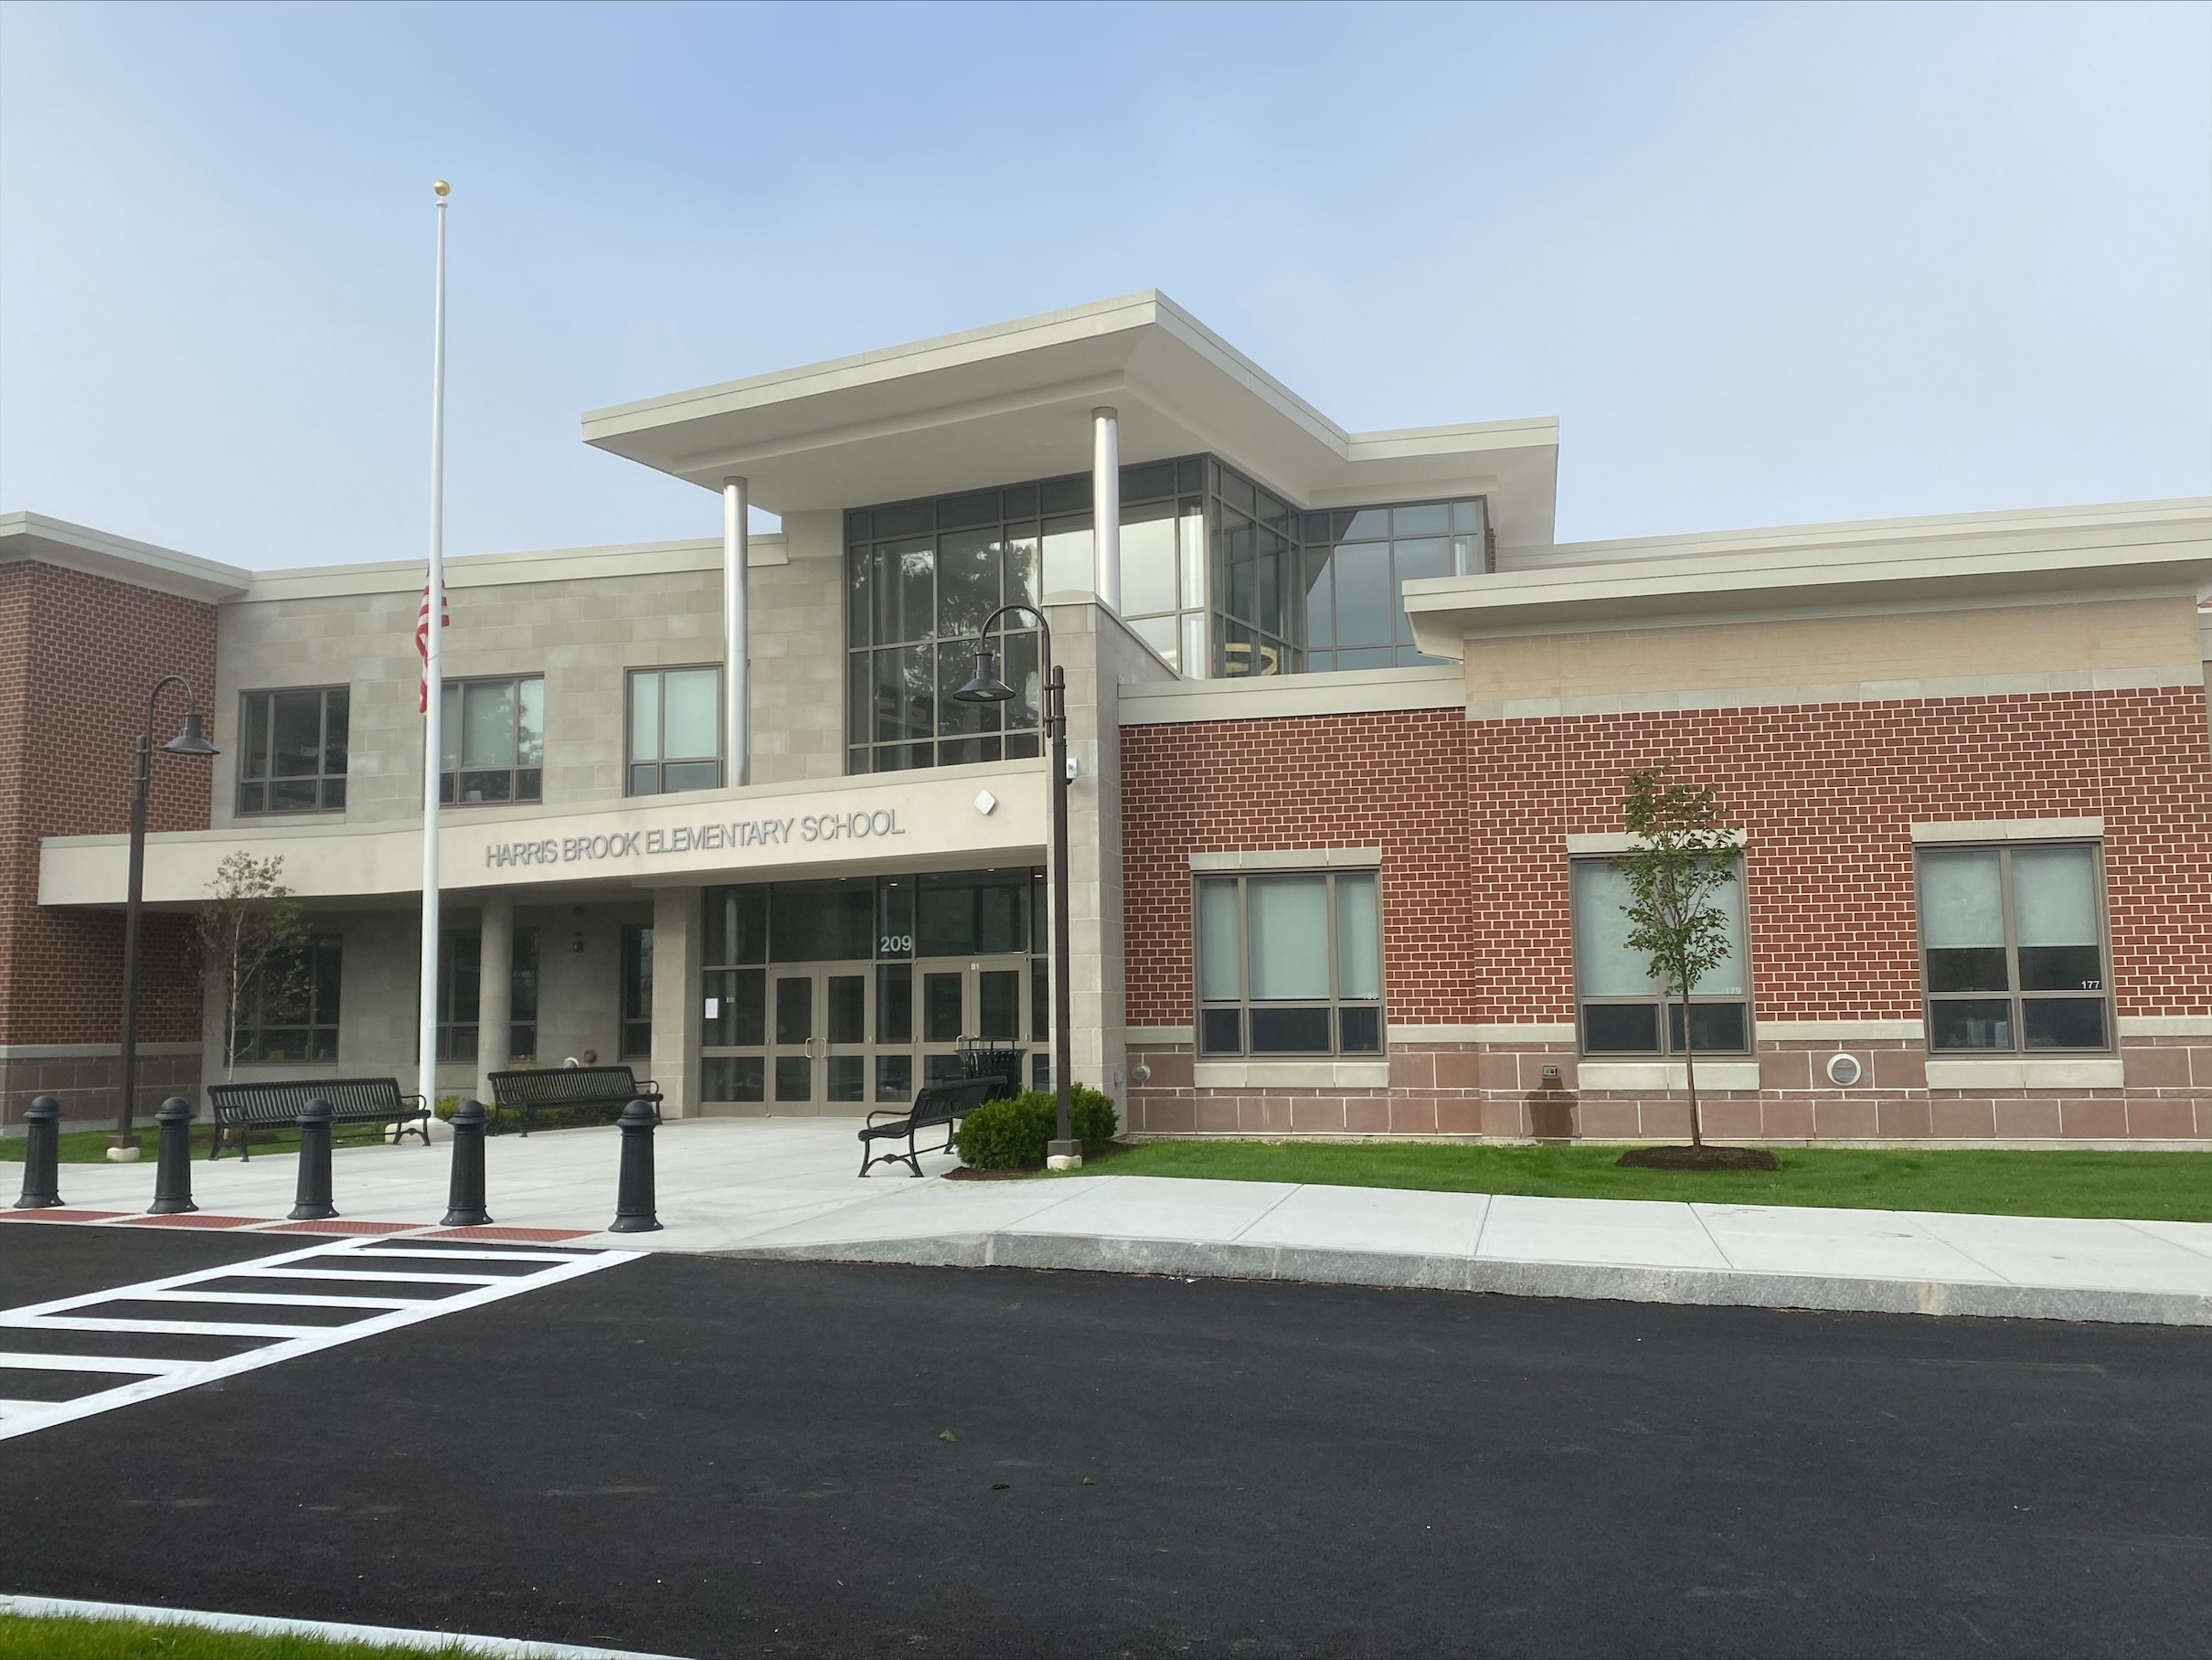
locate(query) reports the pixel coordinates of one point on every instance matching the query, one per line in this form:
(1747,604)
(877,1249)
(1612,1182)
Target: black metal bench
(241,1108)
(544,1088)
(937,1103)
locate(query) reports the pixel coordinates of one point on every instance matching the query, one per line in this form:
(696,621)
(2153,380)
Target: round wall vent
(1844,1070)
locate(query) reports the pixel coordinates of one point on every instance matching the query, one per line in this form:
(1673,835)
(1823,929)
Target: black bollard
(173,1174)
(464,1196)
(41,1156)
(634,1197)
(311,1199)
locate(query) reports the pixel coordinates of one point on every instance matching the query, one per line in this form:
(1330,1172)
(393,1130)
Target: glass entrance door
(984,1001)
(845,1037)
(818,1033)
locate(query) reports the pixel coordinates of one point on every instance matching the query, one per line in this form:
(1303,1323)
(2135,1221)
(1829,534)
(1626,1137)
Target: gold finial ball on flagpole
(442,188)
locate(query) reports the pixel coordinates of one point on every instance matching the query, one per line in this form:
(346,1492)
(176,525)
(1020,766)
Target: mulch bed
(1697,1158)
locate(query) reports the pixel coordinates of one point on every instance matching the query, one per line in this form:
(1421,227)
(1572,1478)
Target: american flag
(423,643)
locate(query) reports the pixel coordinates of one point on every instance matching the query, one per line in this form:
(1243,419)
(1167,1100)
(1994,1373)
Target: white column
(736,668)
(1106,507)
(494,989)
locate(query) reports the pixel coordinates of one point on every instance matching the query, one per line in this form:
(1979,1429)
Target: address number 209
(895,945)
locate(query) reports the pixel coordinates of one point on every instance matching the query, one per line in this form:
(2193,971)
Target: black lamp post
(191,740)
(985,686)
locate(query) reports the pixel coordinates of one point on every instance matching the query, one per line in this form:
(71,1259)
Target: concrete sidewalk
(785,1188)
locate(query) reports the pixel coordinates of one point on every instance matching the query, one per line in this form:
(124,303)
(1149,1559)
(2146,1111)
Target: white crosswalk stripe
(360,1262)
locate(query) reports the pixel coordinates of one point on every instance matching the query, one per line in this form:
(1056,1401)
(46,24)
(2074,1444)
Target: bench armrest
(890,1112)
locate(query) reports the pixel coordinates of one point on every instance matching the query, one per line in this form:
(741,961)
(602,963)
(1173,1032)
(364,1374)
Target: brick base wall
(90,1086)
(1499,1092)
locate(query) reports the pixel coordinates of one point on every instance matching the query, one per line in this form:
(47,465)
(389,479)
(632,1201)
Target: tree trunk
(1689,1073)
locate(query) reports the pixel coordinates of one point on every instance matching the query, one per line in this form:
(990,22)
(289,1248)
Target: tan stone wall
(1913,646)
(583,635)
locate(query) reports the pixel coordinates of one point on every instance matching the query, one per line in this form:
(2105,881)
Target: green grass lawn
(75,1639)
(90,1146)
(2148,1186)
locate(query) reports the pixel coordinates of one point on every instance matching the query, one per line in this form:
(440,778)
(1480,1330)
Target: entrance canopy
(1013,401)
(985,814)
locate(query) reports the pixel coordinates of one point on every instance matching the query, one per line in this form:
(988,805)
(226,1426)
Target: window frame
(1244,1002)
(1664,1002)
(449,782)
(634,1038)
(323,778)
(451,1024)
(261,1024)
(2016,995)
(1326,532)
(661,763)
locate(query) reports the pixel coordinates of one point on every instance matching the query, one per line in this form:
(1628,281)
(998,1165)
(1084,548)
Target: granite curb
(1618,1282)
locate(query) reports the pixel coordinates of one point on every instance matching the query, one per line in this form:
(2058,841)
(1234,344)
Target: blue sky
(1768,264)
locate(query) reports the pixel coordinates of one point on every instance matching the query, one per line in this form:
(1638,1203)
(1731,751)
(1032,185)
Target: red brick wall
(78,655)
(1471,818)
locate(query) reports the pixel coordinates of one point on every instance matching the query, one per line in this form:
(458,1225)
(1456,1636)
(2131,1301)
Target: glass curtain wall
(1220,575)
(1356,563)
(922,576)
(830,992)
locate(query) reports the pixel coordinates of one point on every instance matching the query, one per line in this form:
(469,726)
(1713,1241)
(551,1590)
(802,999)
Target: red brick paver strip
(192,1220)
(342,1227)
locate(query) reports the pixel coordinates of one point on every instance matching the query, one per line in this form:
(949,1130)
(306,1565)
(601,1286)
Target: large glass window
(291,751)
(1356,563)
(922,576)
(291,1012)
(493,737)
(2012,943)
(461,985)
(676,729)
(1289,964)
(1255,571)
(1620,1009)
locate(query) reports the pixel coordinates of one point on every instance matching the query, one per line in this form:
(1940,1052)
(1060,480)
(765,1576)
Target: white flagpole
(433,664)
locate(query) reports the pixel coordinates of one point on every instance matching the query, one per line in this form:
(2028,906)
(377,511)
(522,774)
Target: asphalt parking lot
(712,1457)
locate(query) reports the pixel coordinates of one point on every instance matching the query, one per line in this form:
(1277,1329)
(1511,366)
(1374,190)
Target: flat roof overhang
(999,405)
(52,541)
(2131,554)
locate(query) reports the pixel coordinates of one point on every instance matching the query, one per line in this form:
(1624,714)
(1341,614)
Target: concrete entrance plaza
(785,1187)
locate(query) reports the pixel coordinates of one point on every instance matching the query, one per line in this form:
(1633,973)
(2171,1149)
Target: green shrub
(1008,1134)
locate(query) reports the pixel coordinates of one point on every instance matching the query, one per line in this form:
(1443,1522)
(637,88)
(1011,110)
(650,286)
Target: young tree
(252,940)
(1684,853)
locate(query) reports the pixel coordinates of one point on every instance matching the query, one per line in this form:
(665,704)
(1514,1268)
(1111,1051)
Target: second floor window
(492,736)
(1622,1009)
(676,729)
(291,751)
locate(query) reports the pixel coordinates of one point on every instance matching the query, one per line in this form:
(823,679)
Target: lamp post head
(984,685)
(191,740)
